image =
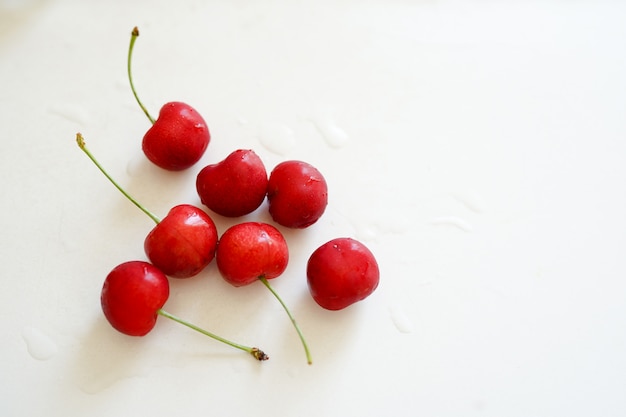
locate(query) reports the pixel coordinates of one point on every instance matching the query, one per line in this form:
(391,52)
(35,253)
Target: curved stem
(256,352)
(133,38)
(81,144)
(295,325)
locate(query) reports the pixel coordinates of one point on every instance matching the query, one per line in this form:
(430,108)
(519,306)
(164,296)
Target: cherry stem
(256,352)
(81,144)
(133,38)
(295,325)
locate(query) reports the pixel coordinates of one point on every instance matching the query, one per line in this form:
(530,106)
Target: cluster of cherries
(339,273)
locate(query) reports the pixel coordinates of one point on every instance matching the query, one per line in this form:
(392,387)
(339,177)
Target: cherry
(183,243)
(234,187)
(179,137)
(252,251)
(132,298)
(132,295)
(297,194)
(341,272)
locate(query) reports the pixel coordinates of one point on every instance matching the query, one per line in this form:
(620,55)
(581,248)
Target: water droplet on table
(106,379)
(366,232)
(39,345)
(400,320)
(276,138)
(335,136)
(454,221)
(471,200)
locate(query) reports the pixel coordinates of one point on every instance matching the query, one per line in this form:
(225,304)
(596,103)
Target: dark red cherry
(132,295)
(253,251)
(178,137)
(341,272)
(234,187)
(297,194)
(249,251)
(183,243)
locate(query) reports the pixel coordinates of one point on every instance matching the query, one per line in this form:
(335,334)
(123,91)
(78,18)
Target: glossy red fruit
(341,272)
(251,250)
(183,243)
(178,138)
(297,194)
(132,294)
(234,187)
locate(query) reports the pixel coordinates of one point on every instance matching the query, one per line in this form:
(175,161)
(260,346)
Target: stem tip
(80,141)
(259,354)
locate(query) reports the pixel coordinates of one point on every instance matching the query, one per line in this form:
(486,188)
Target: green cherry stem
(295,325)
(81,144)
(133,38)
(256,352)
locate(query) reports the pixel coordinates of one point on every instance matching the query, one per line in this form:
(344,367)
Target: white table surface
(477,147)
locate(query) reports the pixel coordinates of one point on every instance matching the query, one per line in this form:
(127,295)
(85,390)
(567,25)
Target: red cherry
(132,295)
(235,186)
(253,251)
(297,194)
(341,272)
(249,251)
(179,137)
(183,243)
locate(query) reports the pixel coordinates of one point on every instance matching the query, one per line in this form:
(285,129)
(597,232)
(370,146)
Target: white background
(477,147)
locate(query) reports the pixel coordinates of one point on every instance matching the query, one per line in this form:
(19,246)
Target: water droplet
(369,230)
(106,379)
(471,200)
(276,138)
(400,320)
(397,223)
(335,136)
(366,232)
(71,112)
(40,346)
(457,222)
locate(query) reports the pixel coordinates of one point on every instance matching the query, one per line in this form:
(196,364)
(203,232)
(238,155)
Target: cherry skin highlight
(132,295)
(251,250)
(341,272)
(183,243)
(234,187)
(297,194)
